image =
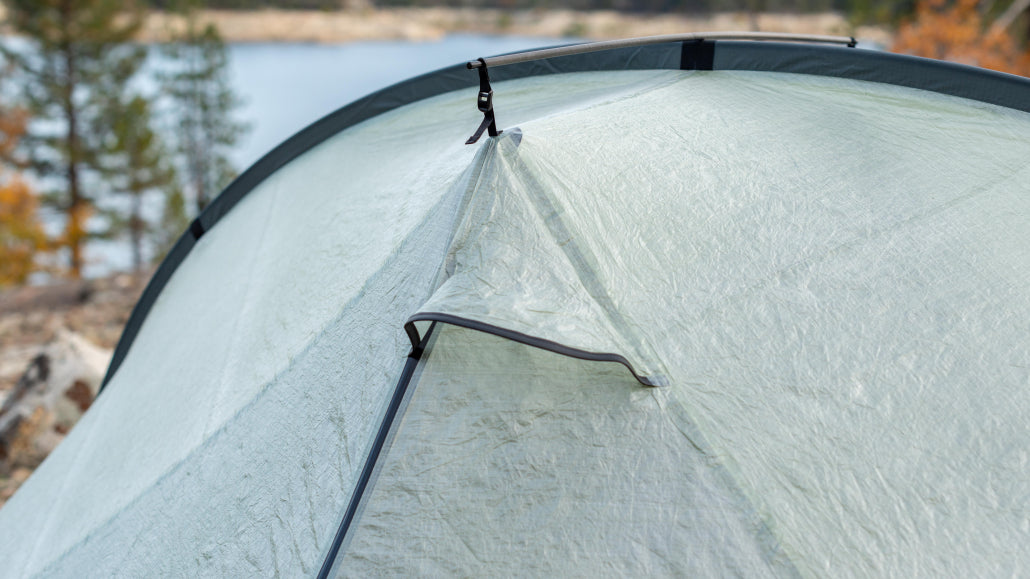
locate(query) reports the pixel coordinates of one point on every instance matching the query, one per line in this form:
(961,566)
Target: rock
(30,316)
(55,343)
(54,391)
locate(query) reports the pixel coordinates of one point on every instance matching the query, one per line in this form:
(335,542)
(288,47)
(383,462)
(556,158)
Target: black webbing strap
(197,228)
(697,55)
(485,103)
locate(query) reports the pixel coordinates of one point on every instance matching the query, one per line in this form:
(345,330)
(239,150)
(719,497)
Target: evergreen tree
(174,221)
(135,167)
(76,48)
(203,102)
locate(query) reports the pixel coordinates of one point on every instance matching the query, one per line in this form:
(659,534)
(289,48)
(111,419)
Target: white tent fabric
(270,353)
(844,312)
(827,278)
(563,467)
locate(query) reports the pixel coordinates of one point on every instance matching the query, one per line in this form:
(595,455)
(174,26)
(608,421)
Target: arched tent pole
(788,53)
(485,102)
(587,47)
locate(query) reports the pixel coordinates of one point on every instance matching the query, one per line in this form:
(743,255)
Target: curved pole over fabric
(949,78)
(646,40)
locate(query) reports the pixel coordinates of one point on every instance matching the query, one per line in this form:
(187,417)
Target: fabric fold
(517,269)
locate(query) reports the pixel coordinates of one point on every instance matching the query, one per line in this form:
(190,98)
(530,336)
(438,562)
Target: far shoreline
(430,24)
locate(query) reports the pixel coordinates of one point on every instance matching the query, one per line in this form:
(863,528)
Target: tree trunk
(136,231)
(1010,14)
(75,230)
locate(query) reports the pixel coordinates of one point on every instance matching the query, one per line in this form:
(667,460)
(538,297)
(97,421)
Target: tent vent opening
(654,380)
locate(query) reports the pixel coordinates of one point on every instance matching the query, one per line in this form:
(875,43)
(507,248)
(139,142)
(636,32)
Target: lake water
(285,87)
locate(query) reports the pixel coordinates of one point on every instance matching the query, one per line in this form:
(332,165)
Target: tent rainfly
(703,306)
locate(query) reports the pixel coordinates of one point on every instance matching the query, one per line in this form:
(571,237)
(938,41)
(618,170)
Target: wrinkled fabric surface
(836,277)
(515,461)
(229,440)
(831,276)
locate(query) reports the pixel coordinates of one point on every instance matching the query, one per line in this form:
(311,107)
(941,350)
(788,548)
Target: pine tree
(203,102)
(135,167)
(76,47)
(174,221)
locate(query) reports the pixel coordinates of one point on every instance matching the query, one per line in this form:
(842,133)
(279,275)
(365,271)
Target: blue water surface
(286,87)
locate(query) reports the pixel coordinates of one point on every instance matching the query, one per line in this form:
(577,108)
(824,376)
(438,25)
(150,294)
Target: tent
(703,306)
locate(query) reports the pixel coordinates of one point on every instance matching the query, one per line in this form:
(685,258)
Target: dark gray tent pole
(647,40)
(373,454)
(996,88)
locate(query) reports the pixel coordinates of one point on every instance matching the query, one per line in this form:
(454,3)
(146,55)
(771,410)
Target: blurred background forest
(119,123)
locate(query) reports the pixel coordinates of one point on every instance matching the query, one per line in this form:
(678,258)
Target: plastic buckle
(485,101)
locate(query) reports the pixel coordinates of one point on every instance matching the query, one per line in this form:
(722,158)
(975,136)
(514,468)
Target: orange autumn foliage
(21,234)
(956,31)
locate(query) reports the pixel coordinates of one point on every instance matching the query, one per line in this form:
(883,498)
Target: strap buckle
(485,104)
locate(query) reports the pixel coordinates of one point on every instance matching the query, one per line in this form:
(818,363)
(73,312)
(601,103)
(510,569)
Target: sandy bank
(426,24)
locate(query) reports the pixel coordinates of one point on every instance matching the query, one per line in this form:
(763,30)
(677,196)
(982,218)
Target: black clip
(486,101)
(485,104)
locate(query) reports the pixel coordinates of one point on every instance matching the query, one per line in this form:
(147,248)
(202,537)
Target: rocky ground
(55,343)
